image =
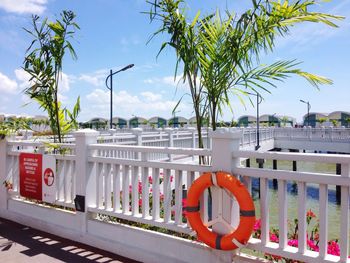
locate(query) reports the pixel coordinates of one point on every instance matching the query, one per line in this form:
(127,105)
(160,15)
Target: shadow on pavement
(23,243)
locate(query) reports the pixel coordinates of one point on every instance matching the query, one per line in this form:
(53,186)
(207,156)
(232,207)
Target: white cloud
(93,80)
(8,85)
(168,81)
(23,6)
(23,78)
(147,104)
(64,83)
(149,96)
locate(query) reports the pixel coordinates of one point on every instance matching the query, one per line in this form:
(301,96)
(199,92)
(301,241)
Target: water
(292,197)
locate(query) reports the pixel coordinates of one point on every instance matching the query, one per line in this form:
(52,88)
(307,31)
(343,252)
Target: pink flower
(274,238)
(333,248)
(311,244)
(293,242)
(140,202)
(311,214)
(257,225)
(171,178)
(150,179)
(140,188)
(161,197)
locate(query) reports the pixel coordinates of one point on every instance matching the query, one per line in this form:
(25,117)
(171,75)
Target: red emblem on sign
(49,177)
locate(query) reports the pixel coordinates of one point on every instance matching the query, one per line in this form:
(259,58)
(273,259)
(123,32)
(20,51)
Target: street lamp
(258,101)
(274,116)
(308,111)
(174,112)
(110,87)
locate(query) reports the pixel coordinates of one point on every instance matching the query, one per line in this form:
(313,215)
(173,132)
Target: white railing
(126,186)
(323,181)
(249,135)
(66,169)
(133,183)
(316,134)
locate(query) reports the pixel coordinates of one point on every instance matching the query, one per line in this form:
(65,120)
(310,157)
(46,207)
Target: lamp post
(308,111)
(174,113)
(258,101)
(274,116)
(110,87)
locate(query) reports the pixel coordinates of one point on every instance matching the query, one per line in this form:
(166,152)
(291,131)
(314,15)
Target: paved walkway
(19,244)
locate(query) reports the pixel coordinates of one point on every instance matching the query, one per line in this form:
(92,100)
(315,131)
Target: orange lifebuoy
(235,239)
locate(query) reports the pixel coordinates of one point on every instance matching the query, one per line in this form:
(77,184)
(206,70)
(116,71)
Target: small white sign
(49,178)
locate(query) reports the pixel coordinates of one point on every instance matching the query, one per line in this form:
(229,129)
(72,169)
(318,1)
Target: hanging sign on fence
(37,174)
(49,179)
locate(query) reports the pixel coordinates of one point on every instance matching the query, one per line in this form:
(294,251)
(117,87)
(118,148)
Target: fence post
(224,141)
(310,132)
(85,173)
(3,174)
(138,133)
(345,214)
(170,132)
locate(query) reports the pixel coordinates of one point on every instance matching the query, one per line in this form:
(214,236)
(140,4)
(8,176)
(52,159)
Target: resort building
(246,120)
(314,119)
(157,122)
(340,118)
(137,121)
(177,122)
(269,120)
(96,123)
(119,122)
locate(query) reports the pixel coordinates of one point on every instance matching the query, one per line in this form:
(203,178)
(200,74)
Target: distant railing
(314,134)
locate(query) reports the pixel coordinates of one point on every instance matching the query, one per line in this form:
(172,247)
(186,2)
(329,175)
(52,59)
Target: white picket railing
(317,134)
(66,168)
(126,186)
(323,181)
(133,183)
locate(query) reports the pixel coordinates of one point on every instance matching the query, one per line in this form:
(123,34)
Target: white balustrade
(323,180)
(146,184)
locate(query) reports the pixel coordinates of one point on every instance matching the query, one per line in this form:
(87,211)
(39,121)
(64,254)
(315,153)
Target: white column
(170,132)
(138,133)
(3,175)
(85,172)
(224,141)
(345,214)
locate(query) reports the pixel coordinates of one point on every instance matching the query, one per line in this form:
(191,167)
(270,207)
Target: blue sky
(114,34)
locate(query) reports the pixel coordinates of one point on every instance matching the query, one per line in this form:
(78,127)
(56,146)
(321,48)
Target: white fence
(317,134)
(127,183)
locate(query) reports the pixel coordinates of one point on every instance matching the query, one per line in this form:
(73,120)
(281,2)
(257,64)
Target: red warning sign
(30,170)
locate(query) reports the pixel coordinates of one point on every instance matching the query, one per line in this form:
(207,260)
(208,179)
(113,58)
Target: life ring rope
(239,237)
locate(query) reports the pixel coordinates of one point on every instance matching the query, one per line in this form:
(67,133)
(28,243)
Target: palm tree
(44,63)
(220,56)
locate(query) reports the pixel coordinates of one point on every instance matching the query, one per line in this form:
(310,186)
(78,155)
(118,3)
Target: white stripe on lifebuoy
(237,243)
(213,178)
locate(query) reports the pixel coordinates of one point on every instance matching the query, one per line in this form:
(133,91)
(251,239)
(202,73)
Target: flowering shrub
(312,237)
